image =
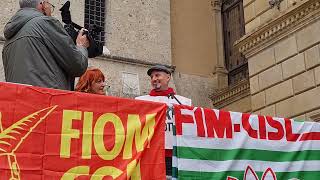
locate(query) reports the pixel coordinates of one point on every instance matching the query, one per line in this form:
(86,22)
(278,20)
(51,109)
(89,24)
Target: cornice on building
(132,61)
(282,26)
(315,117)
(226,96)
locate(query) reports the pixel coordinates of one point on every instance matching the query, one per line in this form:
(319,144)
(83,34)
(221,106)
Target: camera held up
(93,32)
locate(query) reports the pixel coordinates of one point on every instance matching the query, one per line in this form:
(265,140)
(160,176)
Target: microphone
(174,97)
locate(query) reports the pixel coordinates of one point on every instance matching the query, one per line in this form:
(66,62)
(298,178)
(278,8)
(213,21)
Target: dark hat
(159,68)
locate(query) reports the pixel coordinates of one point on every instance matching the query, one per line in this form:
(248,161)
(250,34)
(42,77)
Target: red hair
(85,81)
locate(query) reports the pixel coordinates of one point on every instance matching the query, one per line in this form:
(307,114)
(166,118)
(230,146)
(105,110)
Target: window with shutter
(233,29)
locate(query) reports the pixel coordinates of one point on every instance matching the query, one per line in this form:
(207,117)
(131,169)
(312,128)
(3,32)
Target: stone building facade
(139,34)
(279,49)
(281,45)
(282,48)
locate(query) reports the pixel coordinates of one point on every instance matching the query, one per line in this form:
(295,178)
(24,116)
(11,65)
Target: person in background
(38,51)
(92,81)
(160,77)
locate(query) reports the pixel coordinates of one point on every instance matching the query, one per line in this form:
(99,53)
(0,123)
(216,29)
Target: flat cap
(159,68)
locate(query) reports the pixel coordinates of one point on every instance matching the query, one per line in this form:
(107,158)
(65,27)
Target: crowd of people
(38,51)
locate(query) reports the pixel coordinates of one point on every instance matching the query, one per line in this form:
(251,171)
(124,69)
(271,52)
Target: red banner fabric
(54,134)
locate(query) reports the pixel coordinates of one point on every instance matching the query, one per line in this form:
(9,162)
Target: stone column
(220,73)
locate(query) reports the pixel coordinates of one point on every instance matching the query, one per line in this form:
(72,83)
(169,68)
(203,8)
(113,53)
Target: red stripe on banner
(310,136)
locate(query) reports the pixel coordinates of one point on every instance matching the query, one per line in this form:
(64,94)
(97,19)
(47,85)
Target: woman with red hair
(92,81)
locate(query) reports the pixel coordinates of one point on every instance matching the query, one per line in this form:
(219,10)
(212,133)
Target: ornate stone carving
(216,5)
(275,3)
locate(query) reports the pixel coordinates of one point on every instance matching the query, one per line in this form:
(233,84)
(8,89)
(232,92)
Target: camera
(92,32)
(85,32)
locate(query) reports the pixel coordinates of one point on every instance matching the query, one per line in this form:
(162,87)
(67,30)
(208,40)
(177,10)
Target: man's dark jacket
(39,52)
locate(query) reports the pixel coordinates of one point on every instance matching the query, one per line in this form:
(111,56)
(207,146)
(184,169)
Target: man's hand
(82,39)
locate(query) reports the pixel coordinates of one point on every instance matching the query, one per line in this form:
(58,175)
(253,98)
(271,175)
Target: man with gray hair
(160,77)
(38,51)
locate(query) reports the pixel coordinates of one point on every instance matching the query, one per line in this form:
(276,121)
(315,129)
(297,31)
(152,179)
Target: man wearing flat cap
(160,77)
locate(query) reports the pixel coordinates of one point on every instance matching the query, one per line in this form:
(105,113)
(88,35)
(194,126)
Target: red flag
(54,134)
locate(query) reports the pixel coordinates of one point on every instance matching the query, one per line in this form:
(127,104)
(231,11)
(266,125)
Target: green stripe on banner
(174,151)
(175,172)
(305,175)
(246,154)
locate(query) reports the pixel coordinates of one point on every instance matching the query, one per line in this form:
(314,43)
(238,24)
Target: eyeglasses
(52,6)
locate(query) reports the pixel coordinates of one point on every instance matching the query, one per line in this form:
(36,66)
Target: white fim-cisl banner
(222,145)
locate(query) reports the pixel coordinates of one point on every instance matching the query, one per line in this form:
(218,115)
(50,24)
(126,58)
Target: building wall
(197,88)
(7,10)
(236,96)
(258,12)
(194,48)
(139,30)
(284,63)
(138,35)
(197,49)
(241,105)
(287,83)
